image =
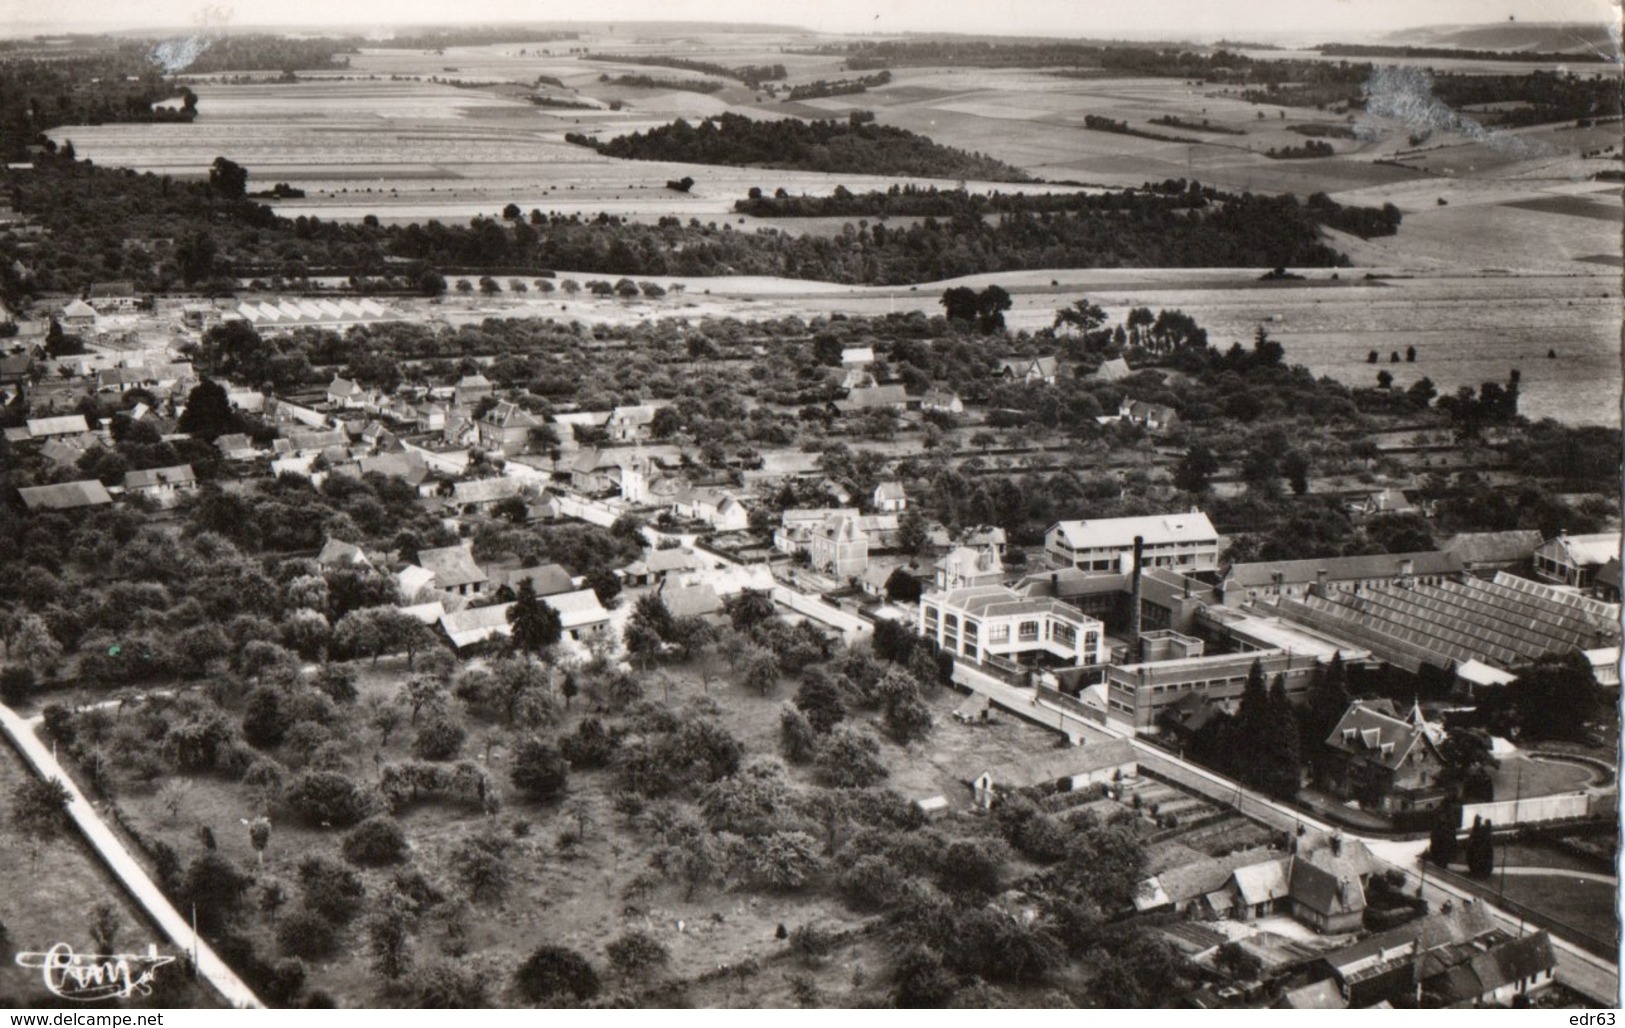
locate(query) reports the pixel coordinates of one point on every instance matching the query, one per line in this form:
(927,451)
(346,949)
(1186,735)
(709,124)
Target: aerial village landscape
(693,515)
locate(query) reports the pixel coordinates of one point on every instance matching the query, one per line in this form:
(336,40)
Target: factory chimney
(1134,602)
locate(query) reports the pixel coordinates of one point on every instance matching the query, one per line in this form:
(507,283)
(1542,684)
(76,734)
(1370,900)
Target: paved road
(125,867)
(1546,872)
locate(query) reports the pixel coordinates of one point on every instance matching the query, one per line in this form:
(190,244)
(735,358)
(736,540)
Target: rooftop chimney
(1320,582)
(1135,648)
(1407,567)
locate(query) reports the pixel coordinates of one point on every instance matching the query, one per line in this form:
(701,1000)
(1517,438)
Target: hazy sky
(1188,19)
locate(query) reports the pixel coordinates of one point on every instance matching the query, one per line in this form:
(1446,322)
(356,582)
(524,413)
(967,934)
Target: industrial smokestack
(1134,602)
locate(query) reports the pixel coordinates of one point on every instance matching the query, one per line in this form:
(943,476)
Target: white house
(716,508)
(1574,559)
(993,621)
(1187,542)
(890,498)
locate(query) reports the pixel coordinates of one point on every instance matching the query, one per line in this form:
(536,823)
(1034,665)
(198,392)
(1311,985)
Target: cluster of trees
(838,87)
(1311,149)
(985,309)
(1100,123)
(113,82)
(852,146)
(752,75)
(256,51)
(1436,53)
(1537,98)
(648,82)
(218,234)
(1261,745)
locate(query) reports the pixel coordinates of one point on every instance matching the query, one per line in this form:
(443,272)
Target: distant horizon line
(17,30)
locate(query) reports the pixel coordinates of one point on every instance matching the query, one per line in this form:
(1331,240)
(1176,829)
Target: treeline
(1319,130)
(1172,121)
(752,75)
(1365,222)
(120,84)
(1313,148)
(262,52)
(1094,60)
(217,239)
(1551,96)
(1151,200)
(850,147)
(474,36)
(649,82)
(1452,54)
(838,87)
(1548,96)
(1100,124)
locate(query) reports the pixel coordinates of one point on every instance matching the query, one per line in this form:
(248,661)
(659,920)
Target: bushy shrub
(306,934)
(375,842)
(328,798)
(331,889)
(553,973)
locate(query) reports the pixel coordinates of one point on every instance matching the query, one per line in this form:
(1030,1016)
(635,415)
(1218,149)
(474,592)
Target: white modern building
(992,621)
(1185,542)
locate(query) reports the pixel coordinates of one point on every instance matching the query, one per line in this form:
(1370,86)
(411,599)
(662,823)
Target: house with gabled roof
(1484,553)
(470,389)
(342,392)
(1329,903)
(65,424)
(1575,559)
(481,494)
(473,625)
(163,486)
(692,601)
(454,569)
(839,546)
(659,565)
(430,416)
(716,508)
(506,427)
(593,472)
(1386,501)
(236,446)
(890,498)
(79,316)
(942,401)
(580,613)
(893,397)
(1114,370)
(546,579)
(1388,762)
(1382,967)
(1499,975)
(414,583)
(66,495)
(630,424)
(1037,370)
(964,567)
(338,553)
(1153,417)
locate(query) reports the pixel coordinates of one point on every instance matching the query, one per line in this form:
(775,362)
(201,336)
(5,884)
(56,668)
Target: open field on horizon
(1467,328)
(1507,250)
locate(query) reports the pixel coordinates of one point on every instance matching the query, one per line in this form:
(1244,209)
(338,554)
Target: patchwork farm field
(1507,250)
